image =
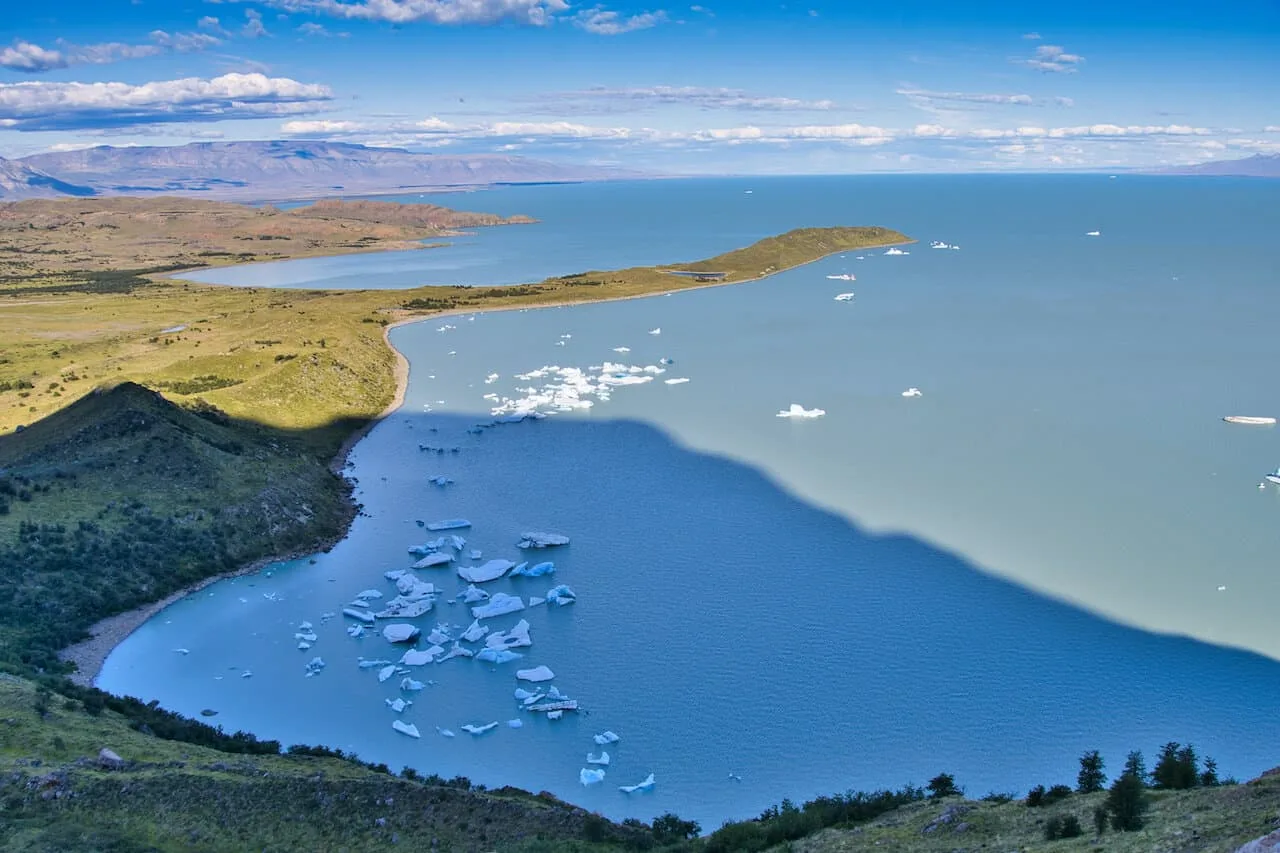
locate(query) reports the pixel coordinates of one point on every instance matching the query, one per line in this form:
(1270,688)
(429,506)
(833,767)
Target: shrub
(669,829)
(943,785)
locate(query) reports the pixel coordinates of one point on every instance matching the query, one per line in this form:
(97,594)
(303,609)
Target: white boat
(1243,419)
(1274,477)
(848,276)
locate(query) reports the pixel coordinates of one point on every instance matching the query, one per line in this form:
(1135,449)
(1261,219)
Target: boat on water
(1274,477)
(1244,419)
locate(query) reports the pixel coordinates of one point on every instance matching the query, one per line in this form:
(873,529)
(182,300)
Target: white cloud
(532,12)
(210,24)
(62,106)
(1271,128)
(922,97)
(320,127)
(602,99)
(1054,59)
(25,56)
(311,28)
(851,133)
(253,27)
(1032,36)
(32,58)
(604,22)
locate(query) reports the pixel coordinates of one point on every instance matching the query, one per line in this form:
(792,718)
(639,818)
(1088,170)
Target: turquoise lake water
(1022,563)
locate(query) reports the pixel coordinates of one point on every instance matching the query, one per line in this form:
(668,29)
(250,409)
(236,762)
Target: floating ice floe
(500,605)
(896,251)
(656,331)
(535,571)
(602,759)
(439,635)
(438,559)
(646,785)
(561,595)
(395,574)
(246,674)
(183,651)
(844,297)
(491,655)
(386,672)
(361,615)
(420,657)
(369,593)
(440,480)
(534,699)
(517,637)
(491,378)
(938,244)
(1093,233)
(303,645)
(449,524)
(490,571)
(315,665)
(409,685)
(515,724)
(405,728)
(400,633)
(538,673)
(913,392)
(444,732)
(355,632)
(457,652)
(845,276)
(590,776)
(476,554)
(799,411)
(473,594)
(677,381)
(398,705)
(605,738)
(522,694)
(475,631)
(479,730)
(622,349)
(371,664)
(541,540)
(401,607)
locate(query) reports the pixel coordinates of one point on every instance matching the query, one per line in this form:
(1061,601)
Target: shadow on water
(722,625)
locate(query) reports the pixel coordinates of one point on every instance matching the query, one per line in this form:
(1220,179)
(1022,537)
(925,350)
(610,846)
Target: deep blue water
(901,587)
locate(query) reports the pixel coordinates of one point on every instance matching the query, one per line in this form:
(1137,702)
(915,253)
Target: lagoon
(981,580)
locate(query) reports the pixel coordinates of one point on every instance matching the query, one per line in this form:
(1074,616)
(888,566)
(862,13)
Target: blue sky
(795,87)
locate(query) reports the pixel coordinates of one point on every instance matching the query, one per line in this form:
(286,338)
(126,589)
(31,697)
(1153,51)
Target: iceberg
(397,705)
(444,732)
(479,730)
(305,626)
(500,605)
(371,664)
(405,728)
(492,655)
(912,392)
(303,645)
(533,699)
(369,593)
(457,652)
(458,542)
(515,724)
(536,602)
(896,251)
(432,560)
(845,276)
(799,411)
(395,574)
(656,331)
(420,657)
(679,380)
(844,297)
(490,571)
(399,608)
(476,554)
(590,776)
(449,524)
(439,635)
(538,673)
(622,349)
(386,672)
(1093,234)
(541,540)
(409,685)
(306,636)
(554,694)
(535,571)
(314,666)
(361,615)
(646,785)
(517,637)
(473,594)
(355,632)
(561,595)
(400,633)
(522,694)
(601,759)
(554,715)
(605,738)
(475,631)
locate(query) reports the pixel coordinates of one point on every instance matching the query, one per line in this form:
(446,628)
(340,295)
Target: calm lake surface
(1059,546)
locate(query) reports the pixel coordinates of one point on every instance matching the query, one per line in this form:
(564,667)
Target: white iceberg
(679,380)
(844,297)
(561,595)
(420,657)
(386,672)
(405,728)
(355,631)
(601,759)
(534,601)
(315,665)
(431,560)
(303,645)
(398,705)
(409,685)
(1093,234)
(515,724)
(489,571)
(400,633)
(542,540)
(371,664)
(535,571)
(457,652)
(362,615)
(522,694)
(646,785)
(476,554)
(475,631)
(500,605)
(449,524)
(590,776)
(622,349)
(401,608)
(605,738)
(439,635)
(844,276)
(491,655)
(394,574)
(896,251)
(479,730)
(444,732)
(656,331)
(473,594)
(369,593)
(799,411)
(490,379)
(517,637)
(913,392)
(538,673)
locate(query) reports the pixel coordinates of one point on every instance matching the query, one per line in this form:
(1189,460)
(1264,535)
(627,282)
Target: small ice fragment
(457,652)
(799,411)
(536,602)
(449,524)
(1093,233)
(398,705)
(589,776)
(439,636)
(555,715)
(497,655)
(183,651)
(605,738)
(534,699)
(419,657)
(479,730)
(535,571)
(646,785)
(475,631)
(1222,589)
(601,759)
(371,664)
(656,331)
(896,251)
(246,674)
(473,594)
(355,631)
(386,672)
(490,379)
(679,380)
(444,732)
(405,728)
(515,724)
(303,645)
(541,540)
(432,560)
(500,605)
(844,297)
(362,615)
(370,593)
(489,571)
(476,554)
(315,665)
(522,694)
(622,349)
(305,626)
(410,685)
(400,633)
(538,673)
(913,392)
(561,595)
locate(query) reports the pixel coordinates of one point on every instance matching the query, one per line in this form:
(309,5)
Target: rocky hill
(21,181)
(1257,166)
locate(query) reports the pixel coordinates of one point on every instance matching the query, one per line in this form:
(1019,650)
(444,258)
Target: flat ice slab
(590,776)
(602,759)
(500,605)
(517,637)
(405,728)
(535,571)
(479,730)
(398,705)
(538,673)
(606,738)
(362,615)
(561,595)
(438,559)
(646,785)
(475,631)
(489,571)
(400,633)
(800,412)
(449,524)
(539,539)
(844,297)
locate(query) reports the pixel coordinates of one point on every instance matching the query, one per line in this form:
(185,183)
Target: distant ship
(843,277)
(1243,419)
(1274,477)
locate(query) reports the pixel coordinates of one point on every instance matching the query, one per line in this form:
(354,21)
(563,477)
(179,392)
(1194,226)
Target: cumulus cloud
(1093,131)
(210,24)
(35,106)
(604,22)
(924,98)
(311,28)
(603,99)
(532,12)
(1052,58)
(320,128)
(253,27)
(34,59)
(1271,128)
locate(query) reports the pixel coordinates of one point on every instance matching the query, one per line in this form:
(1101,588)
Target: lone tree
(1209,778)
(943,785)
(1135,765)
(1091,779)
(1127,802)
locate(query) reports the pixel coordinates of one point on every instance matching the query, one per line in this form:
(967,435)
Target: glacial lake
(1059,546)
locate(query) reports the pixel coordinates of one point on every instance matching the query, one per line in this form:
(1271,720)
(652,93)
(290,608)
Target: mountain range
(272,170)
(1257,166)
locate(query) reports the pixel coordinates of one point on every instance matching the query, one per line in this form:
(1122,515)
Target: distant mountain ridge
(1257,166)
(271,170)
